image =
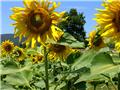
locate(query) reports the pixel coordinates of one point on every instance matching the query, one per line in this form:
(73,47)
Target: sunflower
(37,21)
(59,51)
(18,54)
(37,58)
(7,47)
(109,19)
(95,40)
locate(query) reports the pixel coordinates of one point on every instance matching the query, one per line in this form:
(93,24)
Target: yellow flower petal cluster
(18,53)
(95,40)
(37,58)
(59,52)
(7,47)
(109,20)
(37,21)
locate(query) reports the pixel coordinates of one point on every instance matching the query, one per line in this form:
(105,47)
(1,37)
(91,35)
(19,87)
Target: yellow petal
(43,38)
(34,4)
(54,6)
(33,42)
(27,3)
(56,32)
(38,38)
(18,16)
(42,2)
(109,26)
(17,9)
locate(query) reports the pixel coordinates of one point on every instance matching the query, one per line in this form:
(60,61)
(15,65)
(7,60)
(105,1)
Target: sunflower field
(53,59)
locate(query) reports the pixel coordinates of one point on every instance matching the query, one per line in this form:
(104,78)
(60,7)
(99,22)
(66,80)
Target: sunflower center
(39,58)
(36,20)
(39,21)
(58,48)
(34,60)
(19,52)
(8,48)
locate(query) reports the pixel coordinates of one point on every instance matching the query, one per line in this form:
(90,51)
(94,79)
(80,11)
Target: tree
(74,24)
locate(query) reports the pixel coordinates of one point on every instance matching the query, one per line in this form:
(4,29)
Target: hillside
(11,38)
(15,40)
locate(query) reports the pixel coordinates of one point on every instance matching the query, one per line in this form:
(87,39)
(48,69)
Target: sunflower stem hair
(46,69)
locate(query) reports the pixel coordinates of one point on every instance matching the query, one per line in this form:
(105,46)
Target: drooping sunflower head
(37,58)
(7,47)
(95,40)
(109,19)
(37,21)
(59,51)
(18,54)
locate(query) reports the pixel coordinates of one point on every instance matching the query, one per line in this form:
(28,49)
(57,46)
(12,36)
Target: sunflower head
(59,51)
(18,54)
(95,40)
(37,58)
(37,21)
(7,47)
(109,19)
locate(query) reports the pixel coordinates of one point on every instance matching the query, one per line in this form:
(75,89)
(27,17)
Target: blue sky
(88,7)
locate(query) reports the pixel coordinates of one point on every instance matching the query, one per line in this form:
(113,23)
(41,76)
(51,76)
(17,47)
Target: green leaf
(83,70)
(20,78)
(40,84)
(5,86)
(81,85)
(63,84)
(102,59)
(11,64)
(11,68)
(84,60)
(31,51)
(105,49)
(102,63)
(72,57)
(116,57)
(70,41)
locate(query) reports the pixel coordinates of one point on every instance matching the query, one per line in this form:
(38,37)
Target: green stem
(95,87)
(113,84)
(30,87)
(8,58)
(119,78)
(110,81)
(108,86)
(46,69)
(118,81)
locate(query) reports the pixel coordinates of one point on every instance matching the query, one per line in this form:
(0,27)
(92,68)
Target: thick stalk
(46,69)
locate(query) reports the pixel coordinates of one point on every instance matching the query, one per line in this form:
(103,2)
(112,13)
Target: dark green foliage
(72,57)
(74,24)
